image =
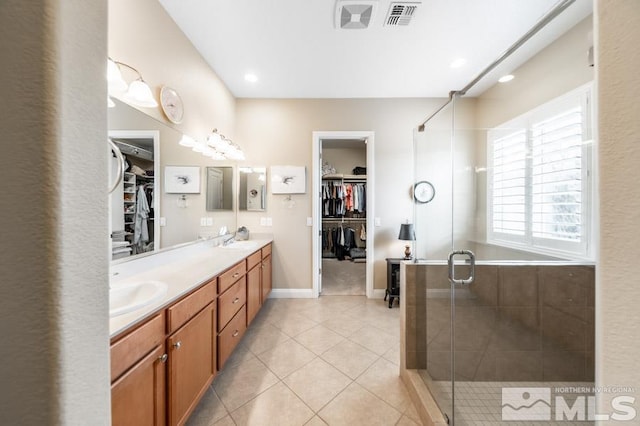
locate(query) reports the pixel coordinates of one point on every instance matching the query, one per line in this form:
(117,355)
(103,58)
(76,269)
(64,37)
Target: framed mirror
(253,189)
(219,188)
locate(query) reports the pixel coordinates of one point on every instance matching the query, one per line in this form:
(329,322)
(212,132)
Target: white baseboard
(307,293)
(378,293)
(291,293)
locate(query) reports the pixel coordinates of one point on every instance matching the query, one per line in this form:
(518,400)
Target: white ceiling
(294,49)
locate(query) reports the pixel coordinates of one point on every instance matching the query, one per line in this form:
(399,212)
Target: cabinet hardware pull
(236,274)
(236,300)
(177,345)
(235,333)
(163,358)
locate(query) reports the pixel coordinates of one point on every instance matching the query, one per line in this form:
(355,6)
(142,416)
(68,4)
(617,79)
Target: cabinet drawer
(231,301)
(253,260)
(181,312)
(134,346)
(231,335)
(227,279)
(266,250)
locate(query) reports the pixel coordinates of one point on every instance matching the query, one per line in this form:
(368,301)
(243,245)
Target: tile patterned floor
(327,361)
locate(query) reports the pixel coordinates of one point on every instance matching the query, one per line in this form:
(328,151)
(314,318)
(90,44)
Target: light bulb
(187,141)
(140,94)
(114,78)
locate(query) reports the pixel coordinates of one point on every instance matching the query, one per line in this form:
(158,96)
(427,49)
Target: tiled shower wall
(514,323)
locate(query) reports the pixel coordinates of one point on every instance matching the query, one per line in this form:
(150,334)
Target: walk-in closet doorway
(343,213)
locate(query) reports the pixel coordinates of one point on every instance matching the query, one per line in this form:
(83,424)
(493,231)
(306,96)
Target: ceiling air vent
(400,13)
(354,14)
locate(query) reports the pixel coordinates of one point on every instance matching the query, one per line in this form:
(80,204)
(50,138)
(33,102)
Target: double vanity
(176,317)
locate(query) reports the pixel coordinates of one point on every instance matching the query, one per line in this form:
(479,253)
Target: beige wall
(618,293)
(279,132)
(142,35)
(54,286)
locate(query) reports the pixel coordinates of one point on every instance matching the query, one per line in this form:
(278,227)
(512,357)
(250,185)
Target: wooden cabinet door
(138,396)
(254,293)
(192,363)
(266,278)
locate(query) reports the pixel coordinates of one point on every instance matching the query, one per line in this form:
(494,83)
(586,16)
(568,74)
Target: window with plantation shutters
(539,183)
(509,184)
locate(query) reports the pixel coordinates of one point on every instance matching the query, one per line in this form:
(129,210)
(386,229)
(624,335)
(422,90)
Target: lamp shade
(139,94)
(407,232)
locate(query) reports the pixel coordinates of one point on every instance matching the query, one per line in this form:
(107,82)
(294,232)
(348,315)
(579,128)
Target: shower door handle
(472,262)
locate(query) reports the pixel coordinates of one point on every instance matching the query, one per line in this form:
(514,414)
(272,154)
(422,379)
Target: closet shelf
(344,219)
(340,176)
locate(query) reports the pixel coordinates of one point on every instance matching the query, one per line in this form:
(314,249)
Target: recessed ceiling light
(251,78)
(505,78)
(458,63)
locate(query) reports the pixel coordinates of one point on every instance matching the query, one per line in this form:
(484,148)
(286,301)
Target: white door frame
(316,171)
(155,135)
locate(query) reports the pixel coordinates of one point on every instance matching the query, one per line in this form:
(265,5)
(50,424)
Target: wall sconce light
(407,233)
(216,147)
(137,93)
(224,147)
(187,141)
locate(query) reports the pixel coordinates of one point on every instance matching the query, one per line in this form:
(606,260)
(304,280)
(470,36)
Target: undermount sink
(129,297)
(244,245)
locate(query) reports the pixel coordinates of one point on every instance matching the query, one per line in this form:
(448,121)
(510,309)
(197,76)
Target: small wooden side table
(393,280)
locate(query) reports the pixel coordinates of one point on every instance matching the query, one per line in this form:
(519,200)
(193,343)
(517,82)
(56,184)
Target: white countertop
(182,269)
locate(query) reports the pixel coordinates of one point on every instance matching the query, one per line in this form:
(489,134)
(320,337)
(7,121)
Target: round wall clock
(171,104)
(423,192)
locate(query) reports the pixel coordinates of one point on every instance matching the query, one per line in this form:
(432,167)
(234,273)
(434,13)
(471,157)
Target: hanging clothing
(141,229)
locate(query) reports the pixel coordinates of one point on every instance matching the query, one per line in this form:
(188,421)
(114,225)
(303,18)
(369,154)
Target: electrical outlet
(309,221)
(378,222)
(163,221)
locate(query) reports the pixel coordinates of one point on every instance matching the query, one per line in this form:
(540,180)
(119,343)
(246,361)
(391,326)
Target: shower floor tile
(481,403)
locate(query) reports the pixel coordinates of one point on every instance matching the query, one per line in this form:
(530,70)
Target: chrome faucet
(228,239)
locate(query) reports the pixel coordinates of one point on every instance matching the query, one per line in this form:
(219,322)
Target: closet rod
(550,16)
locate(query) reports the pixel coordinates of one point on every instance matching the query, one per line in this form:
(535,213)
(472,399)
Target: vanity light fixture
(137,93)
(214,139)
(114,78)
(187,141)
(199,147)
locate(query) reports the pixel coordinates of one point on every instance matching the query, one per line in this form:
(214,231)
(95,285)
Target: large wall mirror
(252,192)
(175,218)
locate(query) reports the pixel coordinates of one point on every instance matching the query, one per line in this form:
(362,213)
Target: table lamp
(407,233)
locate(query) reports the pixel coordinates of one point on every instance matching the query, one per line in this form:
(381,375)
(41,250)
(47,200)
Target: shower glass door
(434,241)
(459,317)
(516,193)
